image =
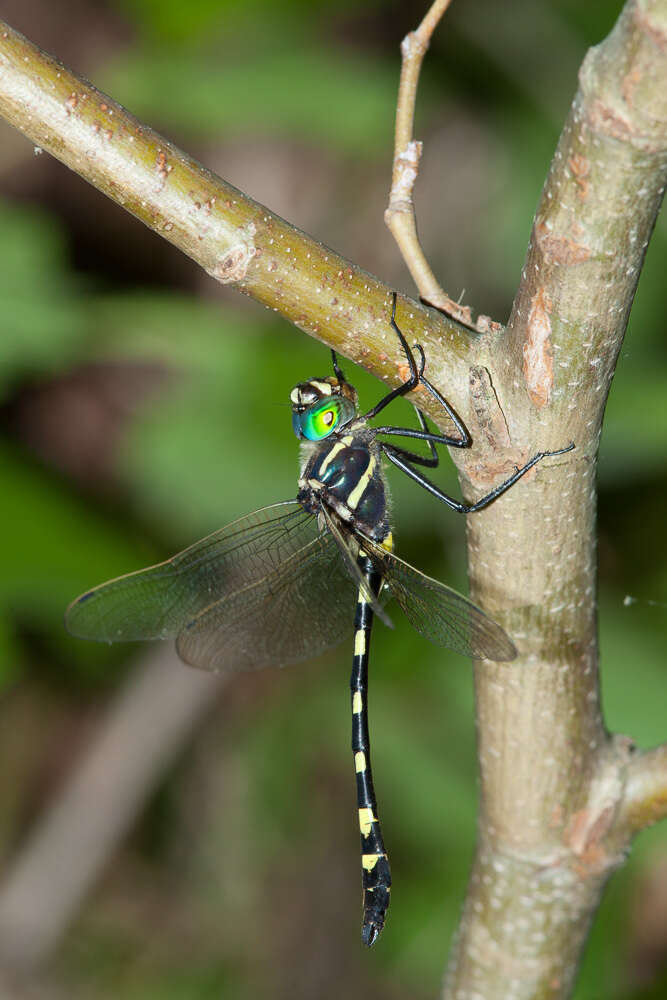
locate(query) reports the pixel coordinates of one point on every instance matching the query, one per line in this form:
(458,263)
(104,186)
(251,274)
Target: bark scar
(496,456)
(580,168)
(561,249)
(233,267)
(487,409)
(538,353)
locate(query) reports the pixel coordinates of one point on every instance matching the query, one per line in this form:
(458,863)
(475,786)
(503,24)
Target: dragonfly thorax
(344,473)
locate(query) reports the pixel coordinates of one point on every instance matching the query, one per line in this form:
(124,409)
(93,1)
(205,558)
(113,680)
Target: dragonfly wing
(348,546)
(304,605)
(439,613)
(158,602)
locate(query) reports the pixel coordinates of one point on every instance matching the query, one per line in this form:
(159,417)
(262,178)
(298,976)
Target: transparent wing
(439,613)
(302,607)
(348,546)
(266,589)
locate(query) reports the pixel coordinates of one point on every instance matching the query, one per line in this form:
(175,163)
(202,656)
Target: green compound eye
(322,417)
(318,422)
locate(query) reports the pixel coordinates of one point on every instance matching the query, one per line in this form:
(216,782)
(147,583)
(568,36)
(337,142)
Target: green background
(143,406)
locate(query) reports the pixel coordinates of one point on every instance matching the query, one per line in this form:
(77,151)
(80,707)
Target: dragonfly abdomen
(375,870)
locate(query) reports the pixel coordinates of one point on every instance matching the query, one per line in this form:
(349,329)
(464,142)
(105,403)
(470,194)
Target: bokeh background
(143,406)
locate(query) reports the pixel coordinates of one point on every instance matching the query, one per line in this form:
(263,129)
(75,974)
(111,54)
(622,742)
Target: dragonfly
(293,579)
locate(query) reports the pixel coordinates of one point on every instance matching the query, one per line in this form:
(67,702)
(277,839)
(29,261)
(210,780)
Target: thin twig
(400,213)
(645,799)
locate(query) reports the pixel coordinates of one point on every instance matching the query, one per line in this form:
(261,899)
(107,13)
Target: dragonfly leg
(464,439)
(336,367)
(375,871)
(415,373)
(425,434)
(400,461)
(411,456)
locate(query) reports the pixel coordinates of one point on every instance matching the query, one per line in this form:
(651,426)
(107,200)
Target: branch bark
(560,799)
(553,823)
(234,239)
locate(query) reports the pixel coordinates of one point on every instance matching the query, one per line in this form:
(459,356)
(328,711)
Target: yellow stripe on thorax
(357,493)
(336,450)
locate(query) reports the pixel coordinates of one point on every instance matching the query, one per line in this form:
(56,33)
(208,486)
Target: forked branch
(400,213)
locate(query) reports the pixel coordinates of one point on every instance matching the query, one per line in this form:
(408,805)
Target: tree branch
(236,240)
(553,783)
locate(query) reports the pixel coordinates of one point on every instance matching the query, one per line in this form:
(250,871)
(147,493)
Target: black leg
(465,440)
(337,372)
(424,435)
(429,436)
(417,378)
(394,455)
(415,374)
(404,459)
(431,462)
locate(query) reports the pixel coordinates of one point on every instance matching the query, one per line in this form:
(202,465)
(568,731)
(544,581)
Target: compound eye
(318,422)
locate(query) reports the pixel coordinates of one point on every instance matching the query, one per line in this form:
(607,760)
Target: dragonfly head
(322,406)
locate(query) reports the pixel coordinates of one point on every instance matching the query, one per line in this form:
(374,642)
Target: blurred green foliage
(39,332)
(182,89)
(214,440)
